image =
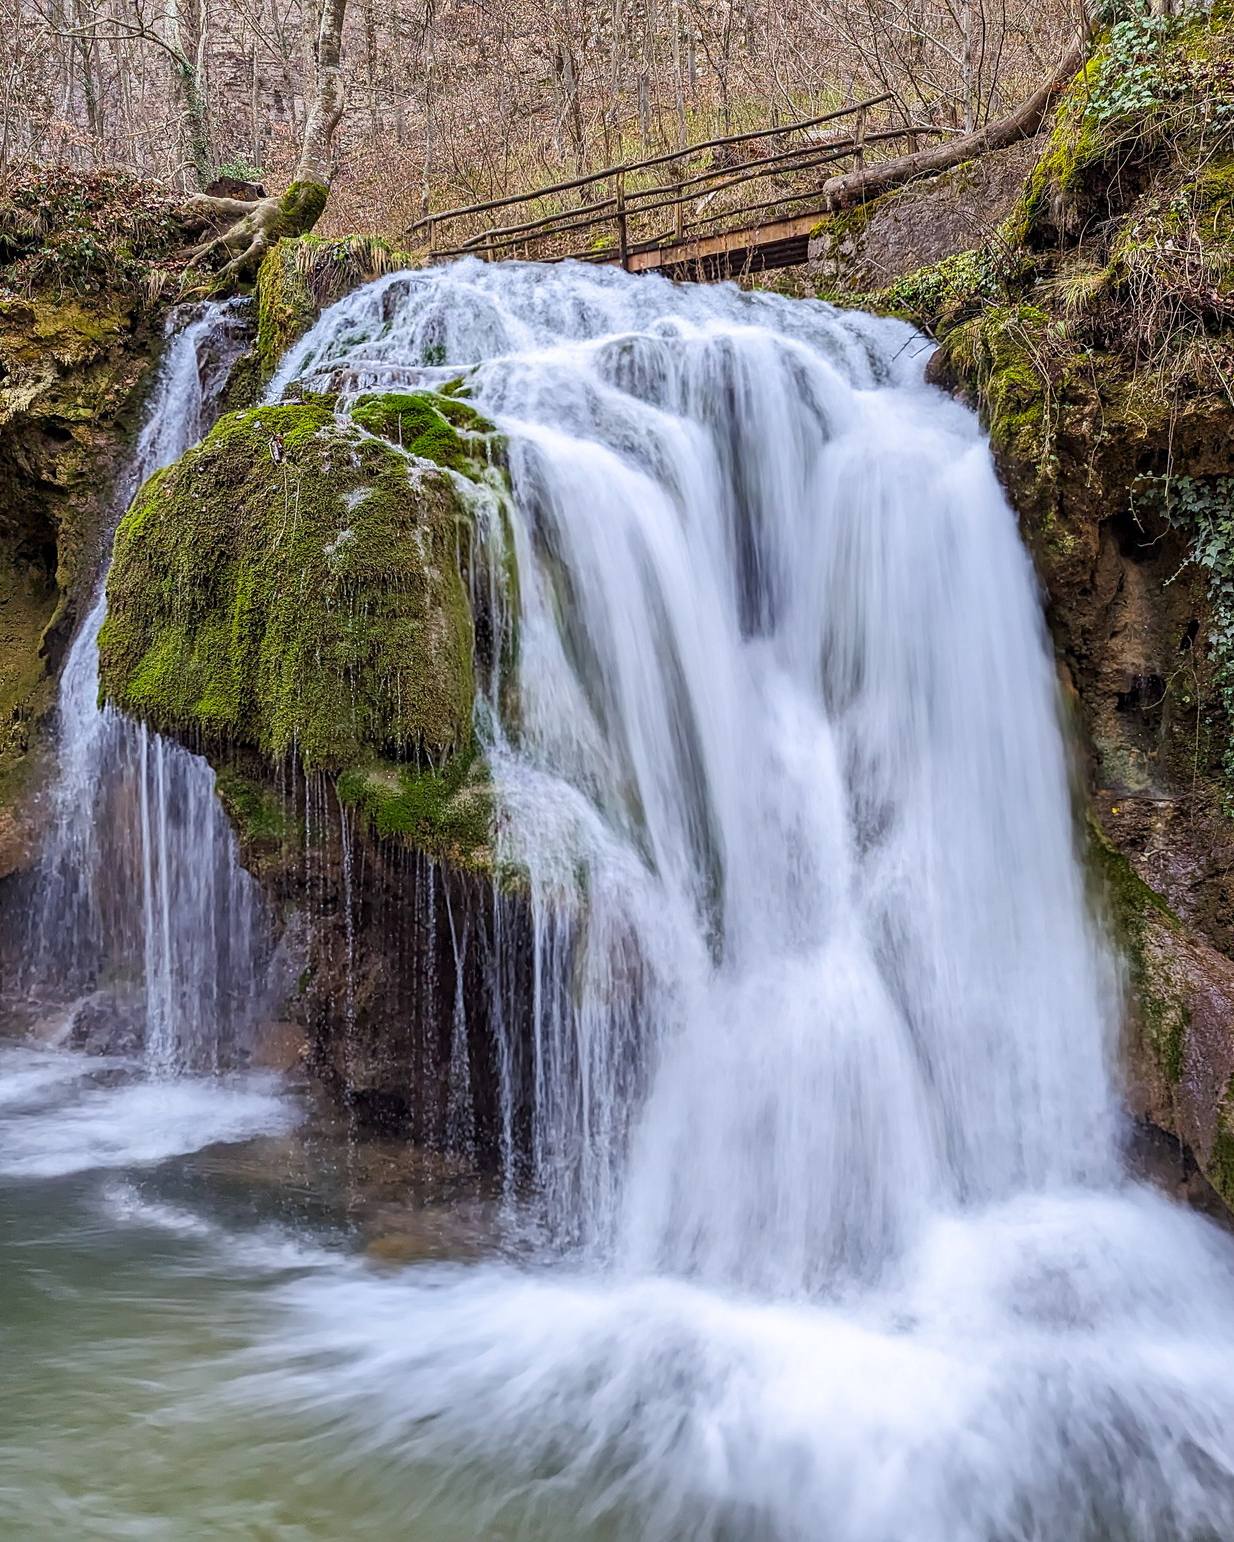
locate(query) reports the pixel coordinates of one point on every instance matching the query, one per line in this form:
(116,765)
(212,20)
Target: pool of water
(221,1315)
(152,1235)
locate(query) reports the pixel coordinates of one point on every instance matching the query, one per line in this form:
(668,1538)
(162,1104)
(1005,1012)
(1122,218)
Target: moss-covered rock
(295,584)
(436,426)
(1144,927)
(447,813)
(1180,1057)
(300,276)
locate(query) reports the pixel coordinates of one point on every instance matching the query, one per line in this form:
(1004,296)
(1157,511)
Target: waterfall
(141,919)
(784,771)
(819,1080)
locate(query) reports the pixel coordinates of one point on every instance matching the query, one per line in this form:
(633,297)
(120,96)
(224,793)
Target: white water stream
(824,1137)
(823,1038)
(144,925)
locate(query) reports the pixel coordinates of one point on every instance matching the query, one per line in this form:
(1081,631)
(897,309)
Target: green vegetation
(447,812)
(1202,508)
(84,232)
(259,816)
(1138,914)
(76,342)
(434,426)
(296,586)
(1220,1167)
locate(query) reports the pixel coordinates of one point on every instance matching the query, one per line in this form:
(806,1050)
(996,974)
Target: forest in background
(451,101)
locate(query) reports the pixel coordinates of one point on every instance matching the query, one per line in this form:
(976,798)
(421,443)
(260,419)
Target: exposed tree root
(250,229)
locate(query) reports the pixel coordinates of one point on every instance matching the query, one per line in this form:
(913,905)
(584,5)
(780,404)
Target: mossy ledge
(301,275)
(1138,915)
(295,586)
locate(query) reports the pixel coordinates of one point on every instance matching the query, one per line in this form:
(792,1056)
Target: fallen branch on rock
(863,185)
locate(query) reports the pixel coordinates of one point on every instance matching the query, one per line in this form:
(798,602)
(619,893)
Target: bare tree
(256,225)
(453,101)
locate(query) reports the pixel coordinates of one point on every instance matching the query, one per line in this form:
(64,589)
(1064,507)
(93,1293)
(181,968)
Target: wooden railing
(634,213)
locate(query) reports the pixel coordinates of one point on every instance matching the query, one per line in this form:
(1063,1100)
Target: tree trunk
(186,54)
(255,227)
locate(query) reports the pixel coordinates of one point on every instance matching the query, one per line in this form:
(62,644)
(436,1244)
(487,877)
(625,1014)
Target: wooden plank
(727,244)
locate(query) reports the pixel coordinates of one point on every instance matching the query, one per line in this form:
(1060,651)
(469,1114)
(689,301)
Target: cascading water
(140,908)
(820,1061)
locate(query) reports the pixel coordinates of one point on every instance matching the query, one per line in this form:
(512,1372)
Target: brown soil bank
(1094,331)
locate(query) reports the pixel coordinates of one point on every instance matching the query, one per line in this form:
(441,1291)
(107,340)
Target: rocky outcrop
(294,598)
(79,328)
(873,244)
(1094,332)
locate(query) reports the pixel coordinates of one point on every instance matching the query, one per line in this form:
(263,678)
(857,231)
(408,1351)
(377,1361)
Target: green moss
(1134,909)
(1074,148)
(286,306)
(847,224)
(1219,1169)
(448,813)
(302,205)
(73,357)
(1001,354)
(259,816)
(937,296)
(295,586)
(437,428)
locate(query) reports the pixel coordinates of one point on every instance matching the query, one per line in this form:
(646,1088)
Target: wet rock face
(873,245)
(71,372)
(78,336)
(414,972)
(110,1023)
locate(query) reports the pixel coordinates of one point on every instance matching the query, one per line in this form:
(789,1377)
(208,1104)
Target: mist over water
(825,1115)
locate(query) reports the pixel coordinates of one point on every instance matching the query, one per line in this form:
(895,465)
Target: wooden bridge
(686,212)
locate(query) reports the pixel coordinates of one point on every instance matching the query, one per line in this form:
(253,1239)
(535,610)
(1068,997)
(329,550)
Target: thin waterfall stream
(141,912)
(814,1218)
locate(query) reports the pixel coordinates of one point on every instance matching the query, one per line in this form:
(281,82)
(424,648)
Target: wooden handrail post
(679,209)
(623,241)
(432,230)
(859,136)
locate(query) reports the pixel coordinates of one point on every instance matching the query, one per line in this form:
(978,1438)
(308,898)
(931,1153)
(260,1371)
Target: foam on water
(62,1113)
(821,1072)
